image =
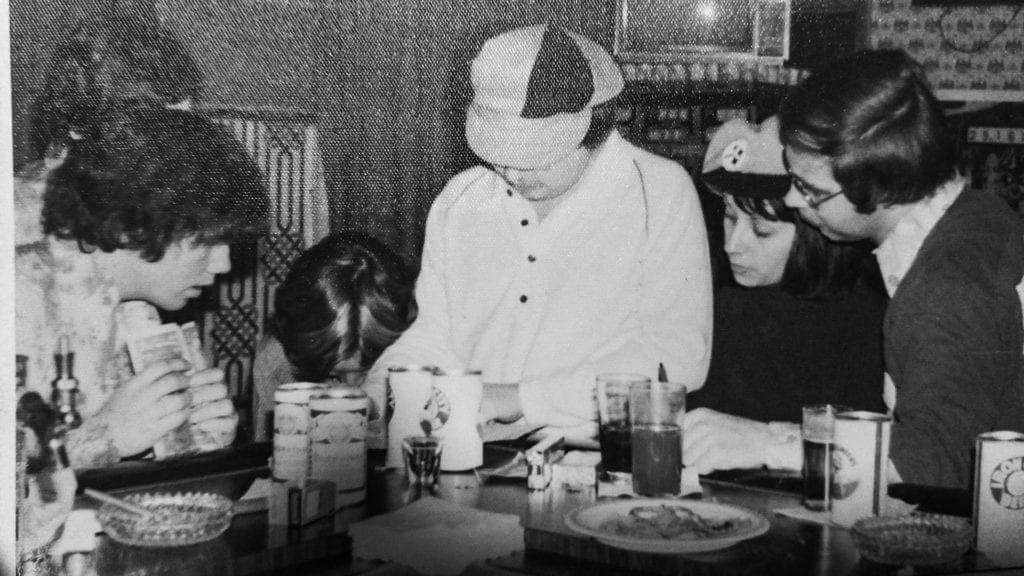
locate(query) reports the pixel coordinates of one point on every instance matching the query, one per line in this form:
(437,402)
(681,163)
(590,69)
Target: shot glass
(818,424)
(422,460)
(613,420)
(657,438)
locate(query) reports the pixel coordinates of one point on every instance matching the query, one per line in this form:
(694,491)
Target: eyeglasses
(813,197)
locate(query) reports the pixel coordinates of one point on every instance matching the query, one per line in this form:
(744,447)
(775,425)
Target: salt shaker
(457,397)
(411,390)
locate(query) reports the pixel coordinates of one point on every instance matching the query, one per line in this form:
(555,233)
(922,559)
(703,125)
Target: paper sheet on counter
(435,536)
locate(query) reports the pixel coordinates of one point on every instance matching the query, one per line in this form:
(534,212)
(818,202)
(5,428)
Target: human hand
(716,441)
(500,404)
(213,417)
(144,408)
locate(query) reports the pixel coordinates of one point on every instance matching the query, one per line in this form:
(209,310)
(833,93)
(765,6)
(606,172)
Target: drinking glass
(613,420)
(818,423)
(657,437)
(422,460)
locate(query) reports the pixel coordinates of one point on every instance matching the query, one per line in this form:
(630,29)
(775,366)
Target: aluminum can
(454,411)
(411,389)
(999,496)
(337,437)
(860,465)
(291,430)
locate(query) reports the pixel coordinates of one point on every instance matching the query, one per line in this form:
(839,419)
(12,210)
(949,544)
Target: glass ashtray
(177,520)
(912,539)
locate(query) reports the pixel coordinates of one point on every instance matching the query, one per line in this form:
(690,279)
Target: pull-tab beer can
(411,389)
(337,437)
(860,466)
(454,410)
(291,430)
(999,497)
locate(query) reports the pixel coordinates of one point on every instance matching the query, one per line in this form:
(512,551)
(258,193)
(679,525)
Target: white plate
(590,518)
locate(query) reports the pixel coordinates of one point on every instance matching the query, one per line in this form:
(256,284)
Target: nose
(733,240)
(220,259)
(794,199)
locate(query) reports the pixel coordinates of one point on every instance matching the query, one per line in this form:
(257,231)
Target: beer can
(999,496)
(410,389)
(859,465)
(454,411)
(291,430)
(337,437)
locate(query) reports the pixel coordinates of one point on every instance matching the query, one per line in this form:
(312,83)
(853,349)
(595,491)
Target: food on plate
(670,522)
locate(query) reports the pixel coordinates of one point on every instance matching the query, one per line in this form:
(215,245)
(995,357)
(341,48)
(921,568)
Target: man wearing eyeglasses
(568,253)
(871,157)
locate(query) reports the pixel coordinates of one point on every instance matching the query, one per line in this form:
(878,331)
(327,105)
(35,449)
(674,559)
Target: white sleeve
(427,341)
(676,291)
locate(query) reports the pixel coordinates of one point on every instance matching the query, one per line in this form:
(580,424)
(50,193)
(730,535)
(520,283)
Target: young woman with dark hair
(344,301)
(798,321)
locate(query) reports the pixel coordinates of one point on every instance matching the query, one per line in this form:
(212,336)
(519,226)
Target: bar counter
(550,548)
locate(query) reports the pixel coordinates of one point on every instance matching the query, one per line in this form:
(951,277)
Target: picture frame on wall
(673,30)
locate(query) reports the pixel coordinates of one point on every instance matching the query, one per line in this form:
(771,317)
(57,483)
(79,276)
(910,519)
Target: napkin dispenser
(295,504)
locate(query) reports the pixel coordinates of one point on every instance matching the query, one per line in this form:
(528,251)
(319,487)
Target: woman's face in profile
(758,248)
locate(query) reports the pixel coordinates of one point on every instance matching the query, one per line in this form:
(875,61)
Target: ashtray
(913,539)
(177,519)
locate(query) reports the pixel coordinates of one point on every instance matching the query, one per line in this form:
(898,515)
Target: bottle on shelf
(65,386)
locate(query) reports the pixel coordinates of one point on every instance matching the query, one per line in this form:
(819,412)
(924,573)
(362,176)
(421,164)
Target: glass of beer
(657,437)
(613,420)
(818,423)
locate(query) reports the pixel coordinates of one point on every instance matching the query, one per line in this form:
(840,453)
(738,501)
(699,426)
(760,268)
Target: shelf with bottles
(677,125)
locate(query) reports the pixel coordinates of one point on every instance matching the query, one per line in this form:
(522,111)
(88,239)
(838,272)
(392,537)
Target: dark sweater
(774,353)
(953,341)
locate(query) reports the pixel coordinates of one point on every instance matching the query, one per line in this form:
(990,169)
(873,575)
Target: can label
(410,391)
(999,496)
(291,430)
(338,442)
(859,466)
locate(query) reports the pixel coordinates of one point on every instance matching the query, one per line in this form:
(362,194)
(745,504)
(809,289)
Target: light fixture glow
(707,10)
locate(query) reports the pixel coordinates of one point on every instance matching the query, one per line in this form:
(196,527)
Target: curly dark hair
(152,178)
(349,294)
(109,63)
(873,114)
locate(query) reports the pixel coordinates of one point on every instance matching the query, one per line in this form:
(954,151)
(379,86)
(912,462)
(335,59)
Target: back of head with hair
(817,268)
(873,114)
(109,63)
(151,178)
(347,295)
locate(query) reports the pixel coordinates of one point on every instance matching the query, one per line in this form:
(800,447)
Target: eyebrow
(803,183)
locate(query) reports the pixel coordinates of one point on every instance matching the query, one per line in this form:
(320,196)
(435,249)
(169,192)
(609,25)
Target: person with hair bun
(344,301)
(798,321)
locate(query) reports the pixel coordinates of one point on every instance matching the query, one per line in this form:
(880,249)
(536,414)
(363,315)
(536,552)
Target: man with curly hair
(143,209)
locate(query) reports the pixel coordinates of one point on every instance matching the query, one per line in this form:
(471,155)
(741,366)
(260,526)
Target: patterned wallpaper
(962,48)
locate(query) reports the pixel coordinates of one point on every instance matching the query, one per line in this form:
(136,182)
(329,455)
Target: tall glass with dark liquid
(818,423)
(656,409)
(614,432)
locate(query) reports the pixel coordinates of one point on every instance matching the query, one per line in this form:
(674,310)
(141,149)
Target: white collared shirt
(616,278)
